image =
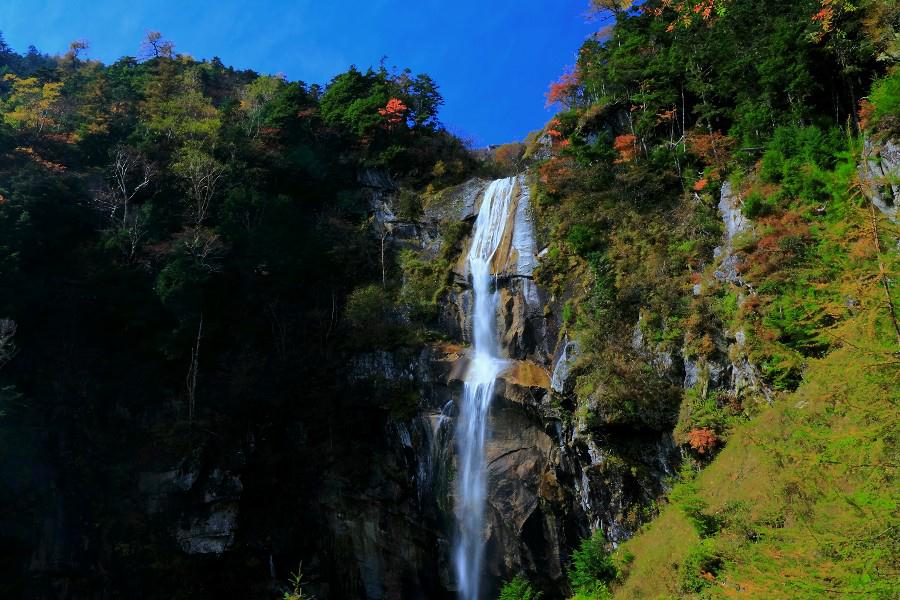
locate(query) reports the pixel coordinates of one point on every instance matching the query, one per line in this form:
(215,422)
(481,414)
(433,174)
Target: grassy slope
(804,496)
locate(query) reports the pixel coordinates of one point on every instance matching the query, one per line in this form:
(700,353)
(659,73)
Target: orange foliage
(863,249)
(701,184)
(665,115)
(712,148)
(702,440)
(553,128)
(564,91)
(825,19)
(556,173)
(30,153)
(687,12)
(394,112)
(508,154)
(626,146)
(785,234)
(866,112)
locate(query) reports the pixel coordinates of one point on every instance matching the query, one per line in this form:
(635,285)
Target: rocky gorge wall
(550,480)
(378,522)
(552,476)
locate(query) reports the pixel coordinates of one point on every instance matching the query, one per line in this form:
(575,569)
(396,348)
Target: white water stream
(478,388)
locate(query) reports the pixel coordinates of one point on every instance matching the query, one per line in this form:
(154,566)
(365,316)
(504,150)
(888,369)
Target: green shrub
(584,238)
(603,290)
(771,166)
(518,588)
(592,567)
(700,567)
(699,412)
(885,97)
(686,496)
(372,317)
(596,591)
(423,283)
(756,205)
(453,233)
(409,205)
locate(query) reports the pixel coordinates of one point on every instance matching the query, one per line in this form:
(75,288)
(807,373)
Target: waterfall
(478,387)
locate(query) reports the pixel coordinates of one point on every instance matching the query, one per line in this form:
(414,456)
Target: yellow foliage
(31,104)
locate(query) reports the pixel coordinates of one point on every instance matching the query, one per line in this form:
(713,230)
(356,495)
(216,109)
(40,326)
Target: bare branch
(154,46)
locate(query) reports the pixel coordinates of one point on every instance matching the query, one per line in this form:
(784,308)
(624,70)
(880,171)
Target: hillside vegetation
(179,244)
(788,486)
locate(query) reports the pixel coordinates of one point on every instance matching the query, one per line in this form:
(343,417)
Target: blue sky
(492,58)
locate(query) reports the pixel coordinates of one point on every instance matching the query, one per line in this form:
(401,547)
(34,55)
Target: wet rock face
(389,539)
(206,500)
(523,329)
(550,479)
(562,381)
(879,172)
(523,495)
(735,224)
(212,533)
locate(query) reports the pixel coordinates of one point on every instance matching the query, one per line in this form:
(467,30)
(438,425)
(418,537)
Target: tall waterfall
(478,387)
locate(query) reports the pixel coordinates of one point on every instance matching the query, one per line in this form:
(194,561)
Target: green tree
(592,568)
(32,104)
(518,588)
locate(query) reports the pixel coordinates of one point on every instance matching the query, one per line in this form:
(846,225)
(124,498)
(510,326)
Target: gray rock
(879,173)
(212,533)
(735,224)
(562,381)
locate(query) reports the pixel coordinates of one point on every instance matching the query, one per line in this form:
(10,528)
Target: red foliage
(702,440)
(829,15)
(712,148)
(665,115)
(687,12)
(626,146)
(553,128)
(394,112)
(564,91)
(508,154)
(556,174)
(866,112)
(785,235)
(701,184)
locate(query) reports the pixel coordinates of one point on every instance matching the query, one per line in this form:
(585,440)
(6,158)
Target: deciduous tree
(201,174)
(32,104)
(154,46)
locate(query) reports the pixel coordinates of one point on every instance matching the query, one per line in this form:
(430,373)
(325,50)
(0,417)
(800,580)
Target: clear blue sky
(492,58)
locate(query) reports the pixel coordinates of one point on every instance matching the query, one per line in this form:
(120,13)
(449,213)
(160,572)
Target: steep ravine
(380,522)
(551,478)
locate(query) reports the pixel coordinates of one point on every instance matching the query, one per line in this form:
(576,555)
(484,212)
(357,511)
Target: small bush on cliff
(372,317)
(409,205)
(592,568)
(700,567)
(885,102)
(423,283)
(518,588)
(296,592)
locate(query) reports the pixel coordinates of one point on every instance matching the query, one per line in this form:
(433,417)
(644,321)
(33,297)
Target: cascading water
(478,387)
